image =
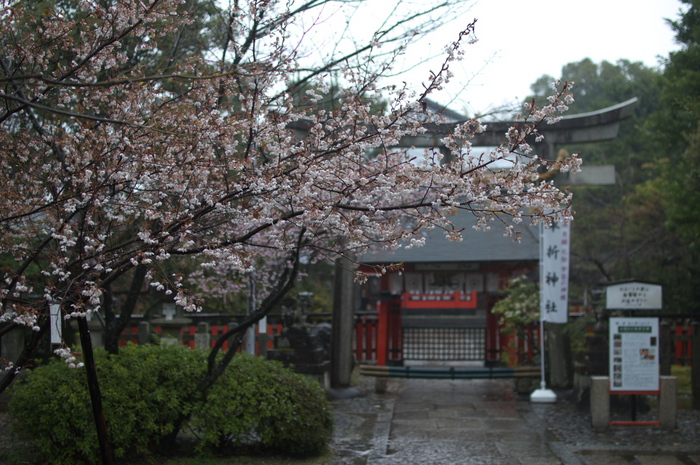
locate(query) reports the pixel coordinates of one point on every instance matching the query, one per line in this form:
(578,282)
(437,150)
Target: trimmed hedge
(255,403)
(274,408)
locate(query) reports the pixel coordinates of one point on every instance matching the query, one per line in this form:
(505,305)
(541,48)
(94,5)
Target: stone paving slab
(483,422)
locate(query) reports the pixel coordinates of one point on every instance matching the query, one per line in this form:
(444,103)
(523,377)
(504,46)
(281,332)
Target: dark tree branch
(235,337)
(26,354)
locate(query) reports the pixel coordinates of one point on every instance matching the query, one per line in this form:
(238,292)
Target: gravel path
(572,426)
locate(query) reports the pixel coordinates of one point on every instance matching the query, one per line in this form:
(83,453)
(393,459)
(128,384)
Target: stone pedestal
(668,402)
(560,359)
(97,331)
(597,354)
(600,402)
(202,338)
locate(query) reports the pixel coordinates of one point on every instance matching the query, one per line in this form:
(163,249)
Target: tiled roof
(476,246)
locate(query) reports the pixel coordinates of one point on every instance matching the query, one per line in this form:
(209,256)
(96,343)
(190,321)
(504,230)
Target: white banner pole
(542,395)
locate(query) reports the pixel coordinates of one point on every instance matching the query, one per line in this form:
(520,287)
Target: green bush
(260,403)
(144,388)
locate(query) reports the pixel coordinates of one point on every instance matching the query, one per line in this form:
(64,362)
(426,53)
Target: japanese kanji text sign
(554,272)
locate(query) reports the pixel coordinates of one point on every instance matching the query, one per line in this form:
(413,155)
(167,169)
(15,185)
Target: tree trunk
(95,395)
(235,338)
(26,354)
(115,325)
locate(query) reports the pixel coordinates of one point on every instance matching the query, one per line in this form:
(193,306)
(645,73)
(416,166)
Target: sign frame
(555,242)
(633,295)
(634,355)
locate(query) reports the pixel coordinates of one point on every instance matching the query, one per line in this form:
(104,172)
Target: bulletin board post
(634,360)
(634,356)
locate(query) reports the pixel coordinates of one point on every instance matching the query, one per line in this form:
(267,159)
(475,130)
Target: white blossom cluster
(69,357)
(110,166)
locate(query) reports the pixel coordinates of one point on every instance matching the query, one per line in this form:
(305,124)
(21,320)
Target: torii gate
(582,128)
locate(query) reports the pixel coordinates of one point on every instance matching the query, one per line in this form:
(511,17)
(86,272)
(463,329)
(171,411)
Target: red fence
(188,334)
(366,337)
(520,348)
(364,344)
(682,345)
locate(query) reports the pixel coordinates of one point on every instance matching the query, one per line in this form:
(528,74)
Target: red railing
(370,344)
(365,341)
(683,345)
(366,337)
(520,347)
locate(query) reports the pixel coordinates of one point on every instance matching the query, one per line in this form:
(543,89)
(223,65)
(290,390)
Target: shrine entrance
(439,314)
(442,327)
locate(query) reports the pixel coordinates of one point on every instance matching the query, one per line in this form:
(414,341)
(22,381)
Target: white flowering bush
(518,308)
(128,155)
(520,304)
(111,165)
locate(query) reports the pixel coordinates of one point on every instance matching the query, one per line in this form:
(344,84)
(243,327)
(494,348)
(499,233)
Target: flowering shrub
(520,304)
(144,389)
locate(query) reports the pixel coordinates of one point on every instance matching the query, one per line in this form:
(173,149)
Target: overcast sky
(519,41)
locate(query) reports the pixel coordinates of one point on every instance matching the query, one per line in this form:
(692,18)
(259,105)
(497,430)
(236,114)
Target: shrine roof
(476,246)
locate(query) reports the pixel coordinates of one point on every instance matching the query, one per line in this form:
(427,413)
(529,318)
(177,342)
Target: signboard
(633,296)
(554,272)
(634,354)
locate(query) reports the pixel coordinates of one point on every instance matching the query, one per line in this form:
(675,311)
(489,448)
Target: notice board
(634,354)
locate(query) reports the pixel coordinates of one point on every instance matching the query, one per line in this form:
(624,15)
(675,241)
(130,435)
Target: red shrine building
(438,308)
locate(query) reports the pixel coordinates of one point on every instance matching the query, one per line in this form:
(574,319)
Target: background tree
(646,226)
(617,233)
(675,130)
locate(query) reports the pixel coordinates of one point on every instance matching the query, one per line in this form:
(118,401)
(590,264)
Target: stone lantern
(171,321)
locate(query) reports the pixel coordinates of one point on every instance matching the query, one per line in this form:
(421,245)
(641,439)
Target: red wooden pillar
(383,333)
(395,332)
(359,339)
(371,339)
(495,342)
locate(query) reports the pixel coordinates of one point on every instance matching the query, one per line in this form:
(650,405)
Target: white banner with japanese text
(554,272)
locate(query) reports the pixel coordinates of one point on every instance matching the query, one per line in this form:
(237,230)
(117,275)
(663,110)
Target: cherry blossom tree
(124,155)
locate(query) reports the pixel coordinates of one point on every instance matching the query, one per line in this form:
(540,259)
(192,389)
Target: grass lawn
(683,375)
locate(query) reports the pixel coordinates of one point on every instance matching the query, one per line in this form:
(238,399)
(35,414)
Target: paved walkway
(442,422)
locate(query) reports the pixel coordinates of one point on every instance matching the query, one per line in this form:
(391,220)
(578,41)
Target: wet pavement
(484,422)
